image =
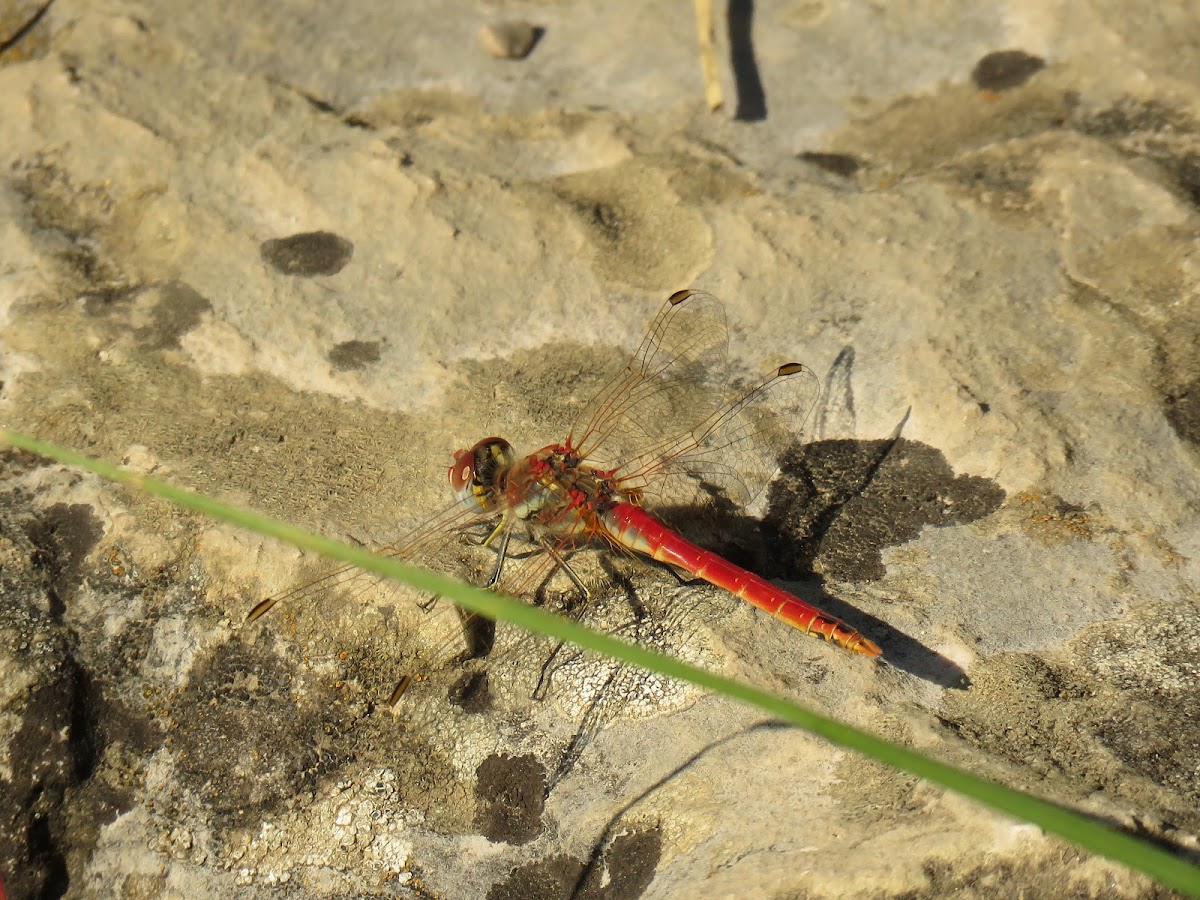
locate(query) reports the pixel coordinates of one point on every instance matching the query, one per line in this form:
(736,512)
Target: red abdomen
(633,527)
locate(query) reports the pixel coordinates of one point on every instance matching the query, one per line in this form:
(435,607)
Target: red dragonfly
(659,435)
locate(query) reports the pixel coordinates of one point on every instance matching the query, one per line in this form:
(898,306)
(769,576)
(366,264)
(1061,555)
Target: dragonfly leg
(501,553)
(560,562)
(481,534)
(500,527)
(429,603)
(577,581)
(684,577)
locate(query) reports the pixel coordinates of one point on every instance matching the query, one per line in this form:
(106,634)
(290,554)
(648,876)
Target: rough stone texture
(294,254)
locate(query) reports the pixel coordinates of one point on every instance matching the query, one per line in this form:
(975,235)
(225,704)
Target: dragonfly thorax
(555,490)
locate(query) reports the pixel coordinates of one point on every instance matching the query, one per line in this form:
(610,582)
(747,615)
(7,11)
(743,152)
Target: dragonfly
(660,436)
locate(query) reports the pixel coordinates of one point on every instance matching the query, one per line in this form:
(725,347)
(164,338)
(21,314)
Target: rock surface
(294,254)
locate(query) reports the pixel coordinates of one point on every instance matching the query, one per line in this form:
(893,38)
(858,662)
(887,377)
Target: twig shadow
(751,100)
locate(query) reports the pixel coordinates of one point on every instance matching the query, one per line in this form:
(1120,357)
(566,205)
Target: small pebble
(509,40)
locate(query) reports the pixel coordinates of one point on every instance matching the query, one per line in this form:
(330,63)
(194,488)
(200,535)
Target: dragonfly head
(479,470)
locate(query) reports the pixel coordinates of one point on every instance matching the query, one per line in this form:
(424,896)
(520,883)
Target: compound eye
(463,471)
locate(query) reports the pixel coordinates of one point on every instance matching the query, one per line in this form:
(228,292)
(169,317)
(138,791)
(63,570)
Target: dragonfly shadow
(901,651)
(751,99)
(766,549)
(832,511)
(838,504)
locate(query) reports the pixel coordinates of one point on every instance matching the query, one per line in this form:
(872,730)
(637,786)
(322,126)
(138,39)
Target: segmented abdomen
(633,527)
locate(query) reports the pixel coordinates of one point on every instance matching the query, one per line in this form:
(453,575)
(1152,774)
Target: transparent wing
(675,380)
(665,426)
(426,633)
(462,516)
(734,452)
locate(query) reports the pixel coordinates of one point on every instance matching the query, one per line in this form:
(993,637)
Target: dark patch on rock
(1182,409)
(1126,725)
(510,794)
(840,503)
(629,864)
(997,179)
(551,878)
(841,164)
(354,354)
(1132,116)
(1186,169)
(238,771)
(605,218)
(104,302)
(65,534)
(16,461)
(157,315)
(479,632)
(993,877)
(68,219)
(177,309)
(622,871)
(72,762)
(309,254)
(1152,130)
(471,693)
(48,762)
(1005,69)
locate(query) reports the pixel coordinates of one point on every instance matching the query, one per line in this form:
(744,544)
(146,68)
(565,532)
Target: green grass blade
(1169,869)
